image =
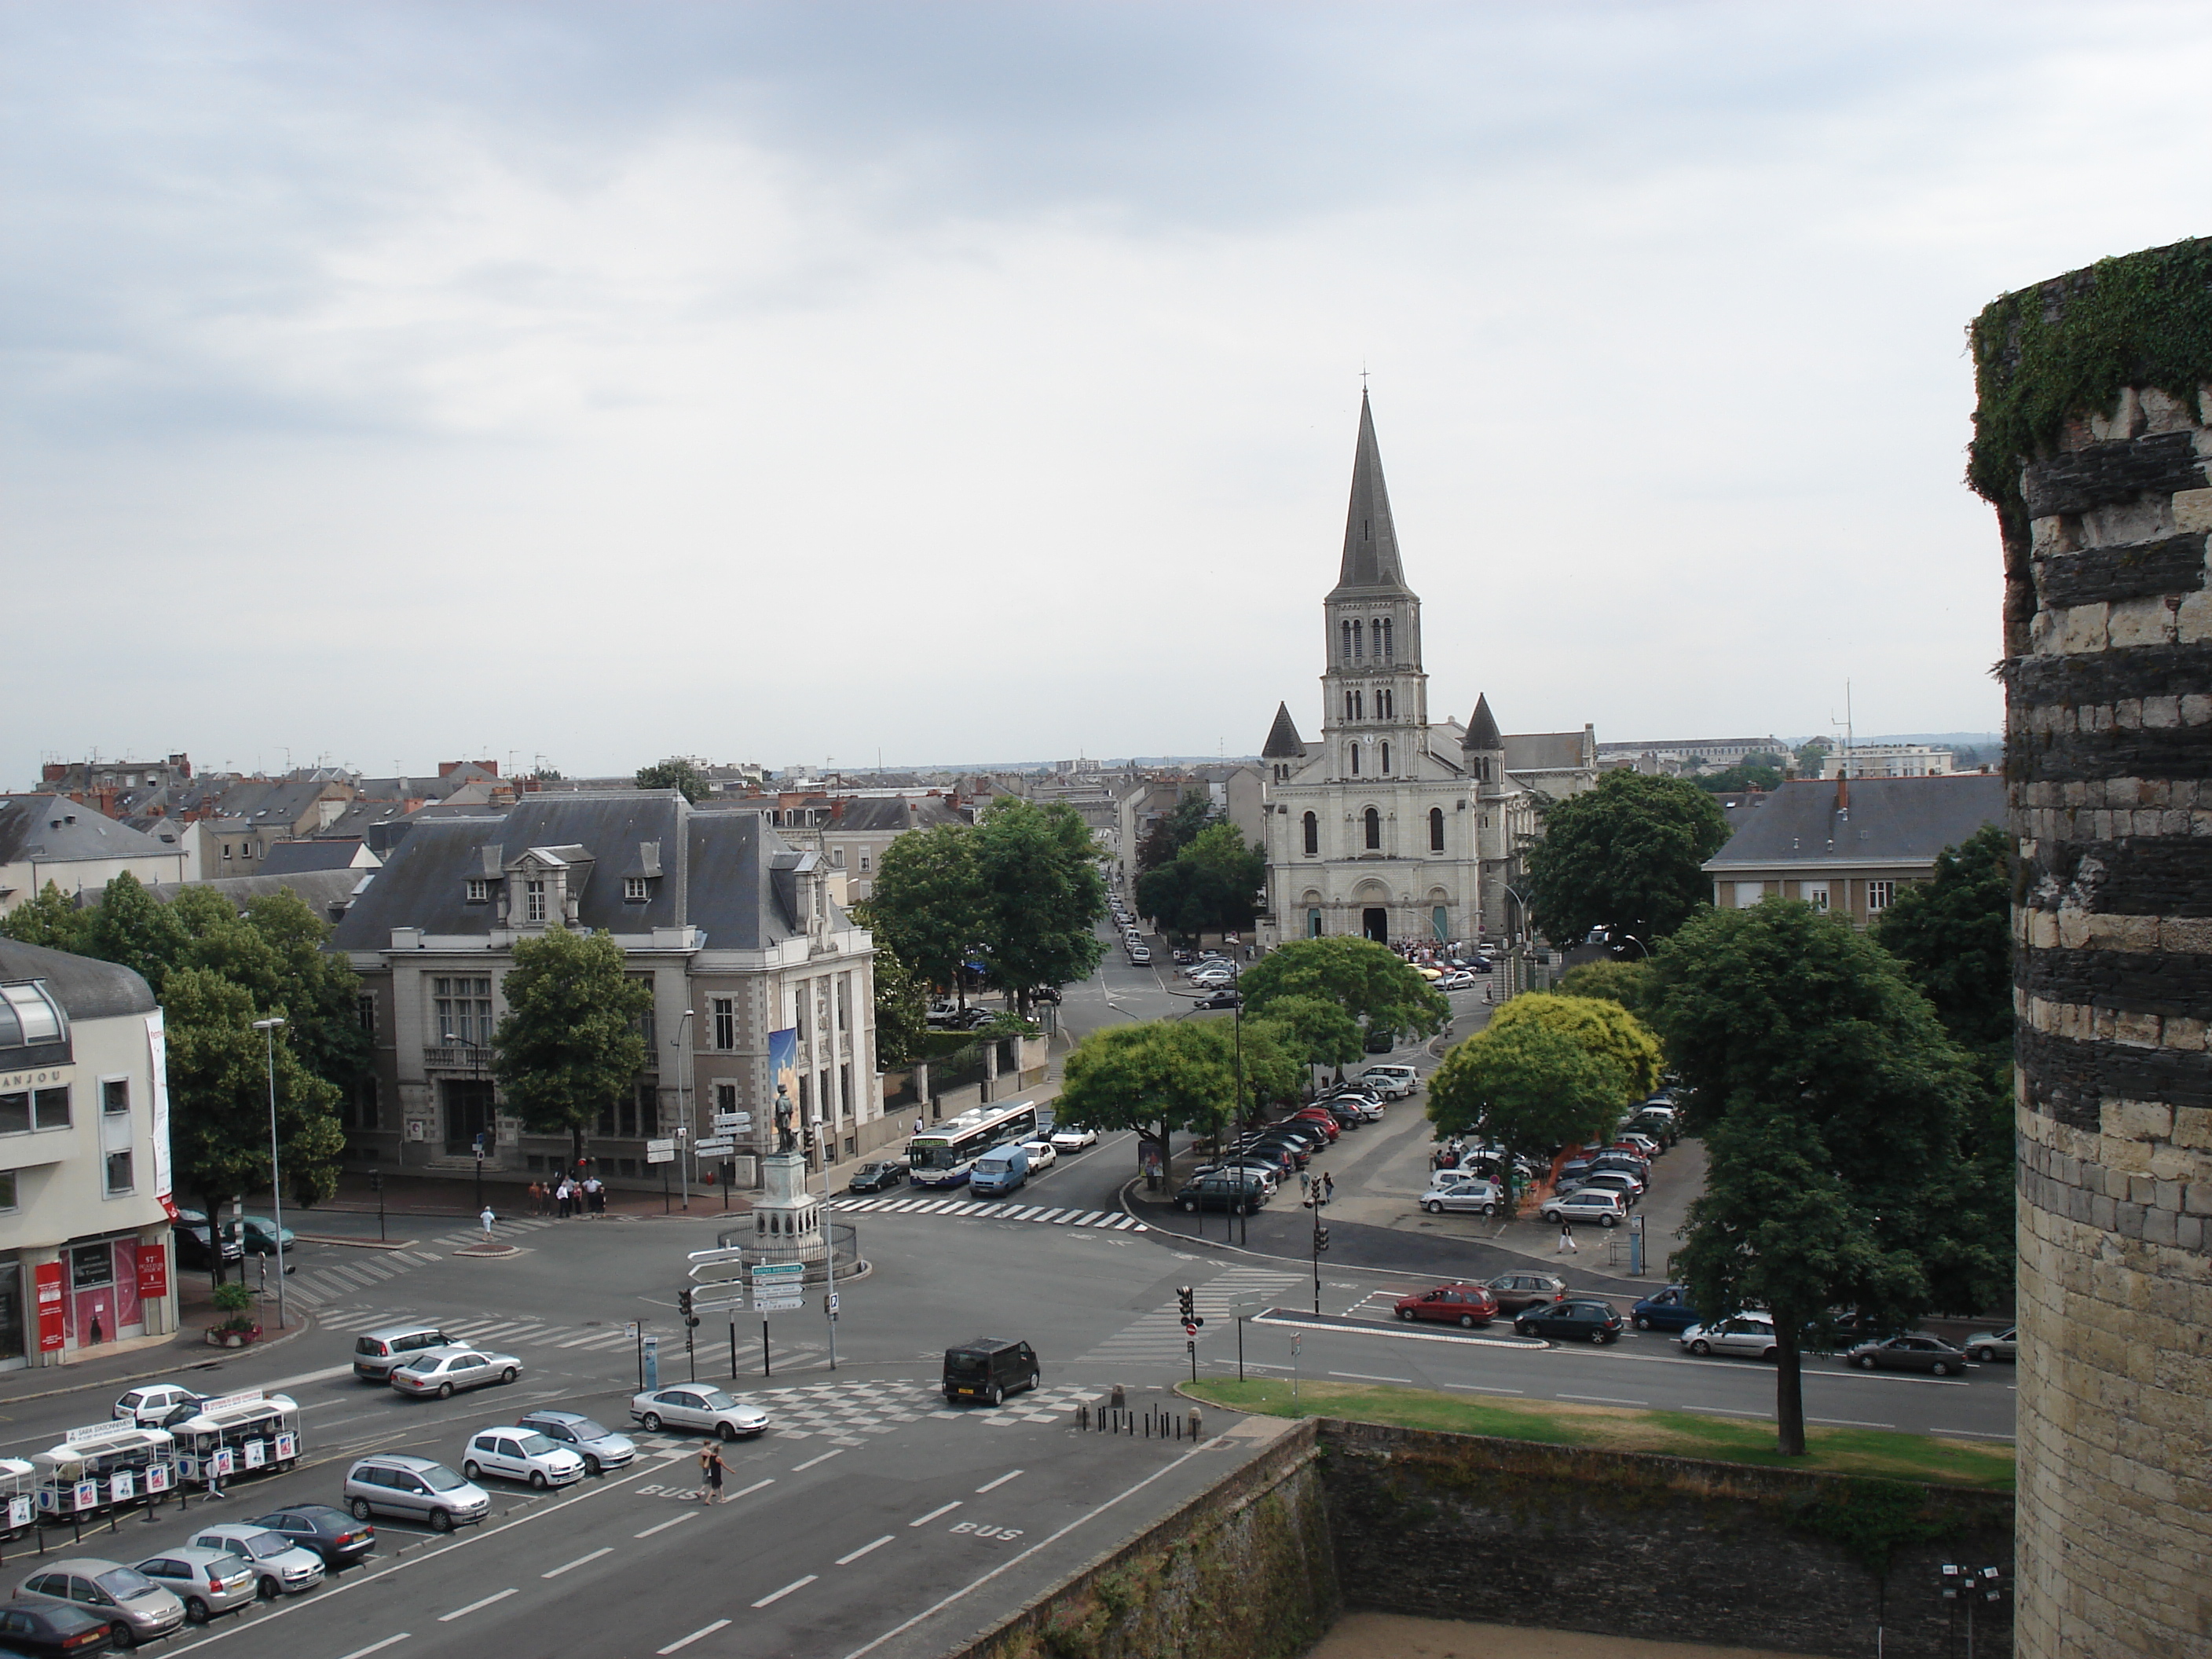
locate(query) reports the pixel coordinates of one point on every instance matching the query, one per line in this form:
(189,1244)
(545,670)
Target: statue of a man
(786,1140)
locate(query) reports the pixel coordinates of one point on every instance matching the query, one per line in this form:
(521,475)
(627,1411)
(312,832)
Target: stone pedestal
(787,1216)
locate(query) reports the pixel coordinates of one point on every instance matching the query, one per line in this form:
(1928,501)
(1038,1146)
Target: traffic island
(490,1252)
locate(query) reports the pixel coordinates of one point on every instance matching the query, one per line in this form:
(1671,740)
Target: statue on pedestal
(786,1139)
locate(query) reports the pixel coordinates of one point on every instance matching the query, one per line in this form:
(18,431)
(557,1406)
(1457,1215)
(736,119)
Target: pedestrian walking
(1567,1246)
(487,1217)
(537,1198)
(595,1195)
(1327,1187)
(710,1474)
(563,1197)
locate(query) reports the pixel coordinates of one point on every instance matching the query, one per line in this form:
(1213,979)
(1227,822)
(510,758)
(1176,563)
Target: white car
(1479,1197)
(1040,1155)
(1072,1140)
(1745,1334)
(147,1408)
(1139,957)
(521,1454)
(283,1567)
(695,1406)
(1458,980)
(1391,1082)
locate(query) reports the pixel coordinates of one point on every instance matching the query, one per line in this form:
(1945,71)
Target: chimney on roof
(1843,794)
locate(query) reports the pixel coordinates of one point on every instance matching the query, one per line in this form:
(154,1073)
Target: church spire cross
(1370,540)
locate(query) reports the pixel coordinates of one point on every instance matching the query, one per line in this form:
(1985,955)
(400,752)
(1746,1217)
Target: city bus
(942,1155)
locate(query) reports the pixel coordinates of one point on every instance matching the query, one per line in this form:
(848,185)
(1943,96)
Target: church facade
(1392,826)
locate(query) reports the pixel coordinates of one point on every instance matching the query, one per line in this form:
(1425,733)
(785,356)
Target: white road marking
(847,1561)
(378,1647)
(685,1641)
(933,1514)
(580,1561)
(750,1490)
(1725,1410)
(1974,1434)
(1848,1423)
(995,1484)
(778,1595)
(665,1525)
(1464,1388)
(473,1607)
(1601,1399)
(1362,1377)
(824,1458)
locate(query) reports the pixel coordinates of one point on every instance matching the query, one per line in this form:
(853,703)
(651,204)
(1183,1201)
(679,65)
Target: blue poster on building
(783,1065)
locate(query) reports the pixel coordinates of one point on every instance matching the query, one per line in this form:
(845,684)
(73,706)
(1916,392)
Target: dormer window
(479,890)
(636,889)
(533,901)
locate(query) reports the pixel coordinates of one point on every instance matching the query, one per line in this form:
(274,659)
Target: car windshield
(267,1544)
(718,1401)
(439,1477)
(125,1584)
(585,1429)
(537,1445)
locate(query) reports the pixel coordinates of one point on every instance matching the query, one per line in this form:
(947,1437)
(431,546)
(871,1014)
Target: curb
(306,1323)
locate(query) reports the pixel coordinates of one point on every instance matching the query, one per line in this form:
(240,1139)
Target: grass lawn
(1878,1452)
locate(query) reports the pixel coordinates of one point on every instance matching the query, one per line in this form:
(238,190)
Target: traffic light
(684,1307)
(376,1180)
(1320,1238)
(1187,1304)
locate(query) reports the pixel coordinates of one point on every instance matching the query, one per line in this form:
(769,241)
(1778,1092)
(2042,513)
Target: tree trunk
(575,1145)
(1788,1386)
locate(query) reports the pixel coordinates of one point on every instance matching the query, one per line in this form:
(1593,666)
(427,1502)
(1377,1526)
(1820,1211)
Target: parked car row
(1751,1332)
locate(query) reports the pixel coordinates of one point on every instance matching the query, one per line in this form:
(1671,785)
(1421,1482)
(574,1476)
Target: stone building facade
(2104,512)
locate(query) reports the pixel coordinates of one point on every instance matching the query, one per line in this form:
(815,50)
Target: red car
(1464,1305)
(1315,1115)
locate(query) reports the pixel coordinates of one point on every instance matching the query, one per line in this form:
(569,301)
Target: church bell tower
(1375,712)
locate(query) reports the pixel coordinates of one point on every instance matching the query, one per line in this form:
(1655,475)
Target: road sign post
(649,1351)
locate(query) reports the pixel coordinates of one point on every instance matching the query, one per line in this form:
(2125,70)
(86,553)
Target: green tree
(902,1011)
(568,1044)
(1527,1088)
(1600,1025)
(678,775)
(1748,775)
(1628,983)
(1368,982)
(218,1069)
(1153,1078)
(1316,1030)
(1042,894)
(1174,830)
(1954,934)
(1273,1057)
(133,929)
(1627,856)
(927,902)
(1211,886)
(51,918)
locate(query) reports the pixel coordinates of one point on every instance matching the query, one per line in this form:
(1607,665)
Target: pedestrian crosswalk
(490,1332)
(1076,1217)
(367,1269)
(1159,1336)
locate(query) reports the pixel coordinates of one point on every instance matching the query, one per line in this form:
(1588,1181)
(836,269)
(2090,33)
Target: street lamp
(268,1030)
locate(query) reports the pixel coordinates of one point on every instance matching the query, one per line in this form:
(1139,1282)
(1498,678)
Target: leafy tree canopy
(1954,934)
(50,918)
(678,775)
(901,1011)
(1316,1030)
(1600,1026)
(568,1044)
(1209,887)
(1747,774)
(1630,984)
(1627,855)
(1042,894)
(1368,982)
(1154,1078)
(1274,1066)
(928,901)
(1174,830)
(1527,1087)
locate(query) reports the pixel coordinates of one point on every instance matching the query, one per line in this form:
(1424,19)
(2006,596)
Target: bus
(944,1155)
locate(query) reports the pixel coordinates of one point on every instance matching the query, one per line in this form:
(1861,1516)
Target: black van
(989,1368)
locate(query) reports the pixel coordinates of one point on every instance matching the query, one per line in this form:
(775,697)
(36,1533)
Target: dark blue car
(1667,1310)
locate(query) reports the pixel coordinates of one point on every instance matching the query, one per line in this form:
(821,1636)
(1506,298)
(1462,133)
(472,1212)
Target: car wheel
(1519,1329)
(471,1470)
(1490,1209)
(1406,1314)
(123,1635)
(1190,1207)
(1601,1334)
(360,1508)
(1467,1321)
(1608,1221)
(1982,1354)
(1033,1381)
(1701,1347)
(442,1520)
(1768,1355)
(1642,1323)
(1864,1362)
(538,1481)
(591,1466)
(269,1589)
(651,1422)
(508,1374)
(728,1432)
(196,1611)
(1433,1207)
(445,1391)
(1941,1368)
(998,1395)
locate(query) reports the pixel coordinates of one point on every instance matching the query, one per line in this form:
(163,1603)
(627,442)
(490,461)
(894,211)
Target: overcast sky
(388,383)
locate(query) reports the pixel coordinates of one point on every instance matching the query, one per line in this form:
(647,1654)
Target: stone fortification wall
(1507,1532)
(2093,444)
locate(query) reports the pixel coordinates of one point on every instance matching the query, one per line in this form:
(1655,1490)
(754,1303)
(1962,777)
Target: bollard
(1194,1422)
(1083,1414)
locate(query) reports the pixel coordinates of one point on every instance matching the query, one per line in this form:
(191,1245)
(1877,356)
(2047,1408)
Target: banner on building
(153,1272)
(157,1050)
(46,1277)
(783,1064)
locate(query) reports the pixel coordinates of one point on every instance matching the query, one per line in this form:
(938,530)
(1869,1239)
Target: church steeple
(1370,540)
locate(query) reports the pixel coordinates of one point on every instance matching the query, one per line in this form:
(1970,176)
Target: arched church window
(1313,836)
(1383,642)
(1343,641)
(1436,829)
(1386,759)
(1374,830)
(1352,748)
(1355,639)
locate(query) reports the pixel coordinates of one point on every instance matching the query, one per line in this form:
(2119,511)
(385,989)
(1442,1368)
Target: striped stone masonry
(2109,759)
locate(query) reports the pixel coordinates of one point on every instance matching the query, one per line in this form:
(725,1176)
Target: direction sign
(727,1122)
(772,1271)
(715,1298)
(668,1157)
(719,1144)
(778,1303)
(665,1146)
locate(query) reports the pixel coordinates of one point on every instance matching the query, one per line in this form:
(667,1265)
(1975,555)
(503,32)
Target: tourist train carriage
(102,1465)
(18,1495)
(237,1434)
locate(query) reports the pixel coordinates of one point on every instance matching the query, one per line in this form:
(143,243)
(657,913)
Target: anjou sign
(45,1078)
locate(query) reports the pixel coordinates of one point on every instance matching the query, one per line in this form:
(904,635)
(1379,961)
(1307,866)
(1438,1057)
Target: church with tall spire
(1391,826)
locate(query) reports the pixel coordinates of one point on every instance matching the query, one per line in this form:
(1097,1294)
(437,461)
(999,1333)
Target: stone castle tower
(2092,441)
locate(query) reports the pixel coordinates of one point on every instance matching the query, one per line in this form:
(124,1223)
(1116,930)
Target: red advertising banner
(47,1276)
(153,1272)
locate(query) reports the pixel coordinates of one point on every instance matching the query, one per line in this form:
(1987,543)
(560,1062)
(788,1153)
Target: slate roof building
(853,841)
(84,1158)
(1390,825)
(732,929)
(1850,844)
(52,838)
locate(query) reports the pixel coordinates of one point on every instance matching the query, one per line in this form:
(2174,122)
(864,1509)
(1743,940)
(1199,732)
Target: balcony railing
(457,1060)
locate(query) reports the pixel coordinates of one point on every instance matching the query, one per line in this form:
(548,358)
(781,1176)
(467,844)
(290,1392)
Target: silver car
(697,1406)
(1480,1197)
(281,1567)
(136,1607)
(521,1454)
(445,1371)
(1591,1205)
(206,1581)
(2003,1345)
(600,1447)
(414,1489)
(1751,1335)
